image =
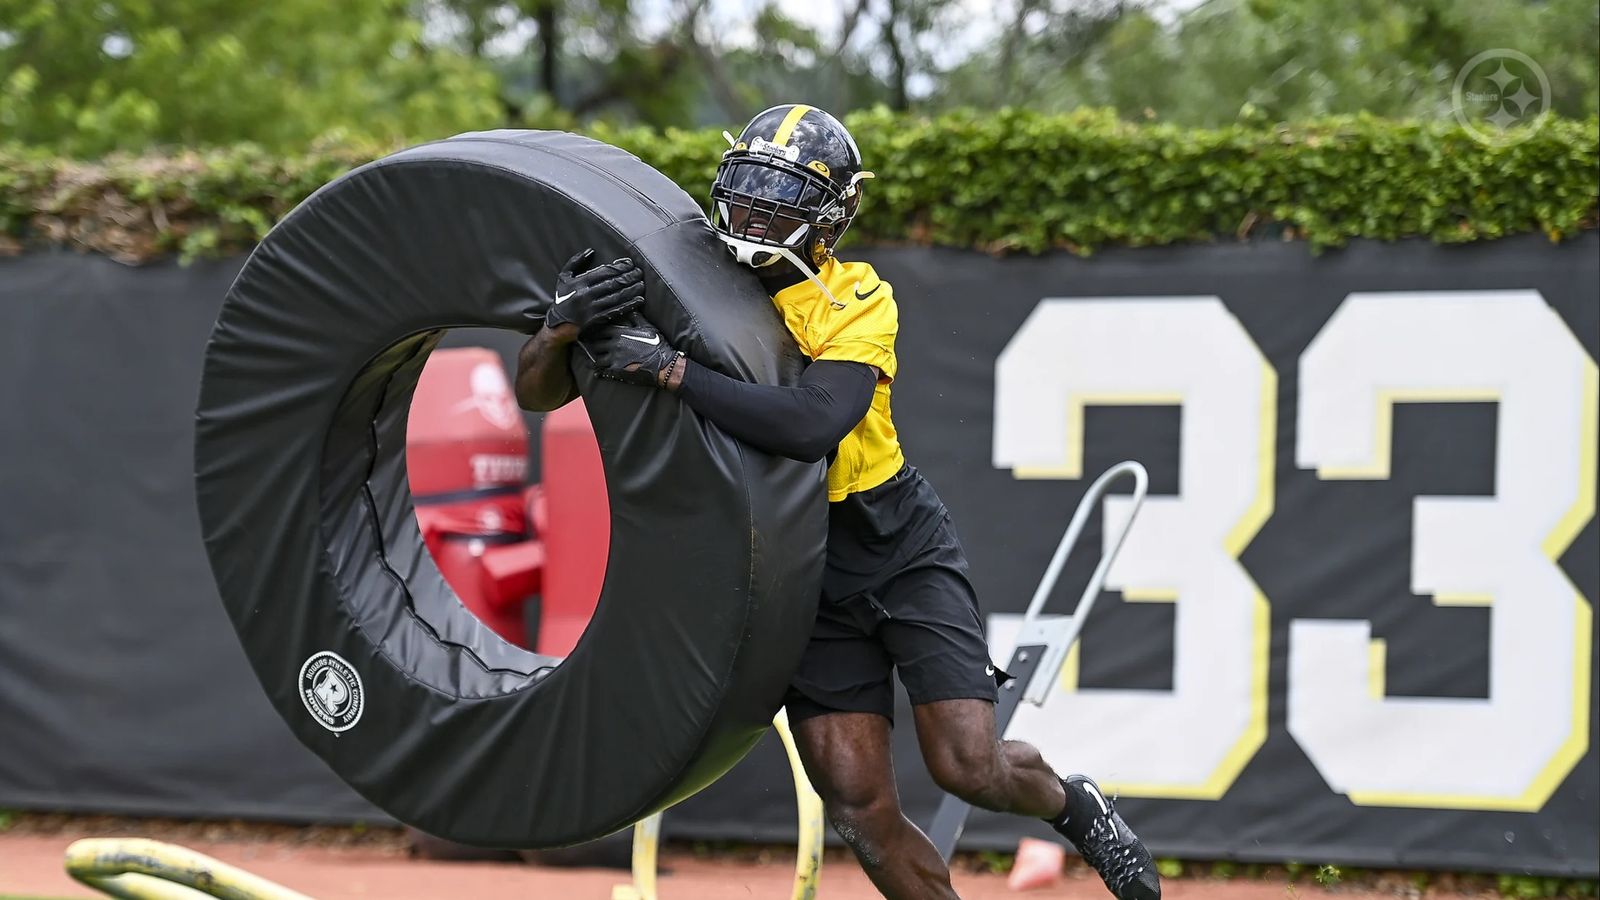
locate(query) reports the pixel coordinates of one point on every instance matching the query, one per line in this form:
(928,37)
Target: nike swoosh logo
(562,298)
(1104,808)
(651,341)
(861,296)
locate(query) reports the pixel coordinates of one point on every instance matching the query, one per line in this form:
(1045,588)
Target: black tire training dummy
(307,517)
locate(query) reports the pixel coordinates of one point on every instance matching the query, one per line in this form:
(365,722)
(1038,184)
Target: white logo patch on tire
(331,691)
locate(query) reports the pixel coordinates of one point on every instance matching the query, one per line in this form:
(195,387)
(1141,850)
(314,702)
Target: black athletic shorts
(895,596)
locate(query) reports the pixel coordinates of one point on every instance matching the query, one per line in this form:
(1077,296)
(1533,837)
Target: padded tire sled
(716,550)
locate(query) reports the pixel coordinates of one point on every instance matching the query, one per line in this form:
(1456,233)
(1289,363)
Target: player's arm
(585,295)
(544,380)
(803,422)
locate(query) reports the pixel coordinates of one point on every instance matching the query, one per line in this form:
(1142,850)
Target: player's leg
(958,744)
(847,758)
(841,704)
(935,638)
(933,634)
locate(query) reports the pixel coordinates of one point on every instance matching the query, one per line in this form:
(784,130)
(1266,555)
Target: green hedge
(1007,181)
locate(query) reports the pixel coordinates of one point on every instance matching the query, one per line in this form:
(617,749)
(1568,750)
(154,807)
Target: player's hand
(632,351)
(588,295)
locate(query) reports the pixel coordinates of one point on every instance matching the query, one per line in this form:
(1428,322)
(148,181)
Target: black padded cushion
(716,549)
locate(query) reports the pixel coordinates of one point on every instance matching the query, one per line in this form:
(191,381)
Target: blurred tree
(499,30)
(911,33)
(787,61)
(651,79)
(695,62)
(618,71)
(91,77)
(1282,59)
(1036,57)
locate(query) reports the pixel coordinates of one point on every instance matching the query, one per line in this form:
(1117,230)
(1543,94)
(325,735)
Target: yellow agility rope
(140,869)
(808,852)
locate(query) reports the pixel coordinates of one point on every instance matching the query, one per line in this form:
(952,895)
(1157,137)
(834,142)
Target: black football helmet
(787,187)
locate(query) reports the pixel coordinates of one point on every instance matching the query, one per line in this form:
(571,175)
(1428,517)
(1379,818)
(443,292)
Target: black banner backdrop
(1416,457)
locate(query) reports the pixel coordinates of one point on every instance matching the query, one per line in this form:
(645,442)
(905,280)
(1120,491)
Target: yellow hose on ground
(646,841)
(141,869)
(808,852)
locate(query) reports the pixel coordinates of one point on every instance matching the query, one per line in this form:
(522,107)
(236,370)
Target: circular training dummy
(716,550)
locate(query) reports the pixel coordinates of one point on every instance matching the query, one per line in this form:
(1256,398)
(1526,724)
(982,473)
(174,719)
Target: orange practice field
(30,866)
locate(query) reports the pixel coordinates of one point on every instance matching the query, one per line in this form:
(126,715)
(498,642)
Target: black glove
(632,351)
(588,295)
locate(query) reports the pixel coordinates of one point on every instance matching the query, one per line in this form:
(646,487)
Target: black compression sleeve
(803,422)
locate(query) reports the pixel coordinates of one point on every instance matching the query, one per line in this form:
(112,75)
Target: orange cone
(1038,865)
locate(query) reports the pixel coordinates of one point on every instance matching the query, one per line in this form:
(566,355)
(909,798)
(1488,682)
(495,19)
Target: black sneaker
(1106,842)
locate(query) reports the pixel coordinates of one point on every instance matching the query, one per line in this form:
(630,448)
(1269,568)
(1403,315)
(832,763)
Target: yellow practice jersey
(858,324)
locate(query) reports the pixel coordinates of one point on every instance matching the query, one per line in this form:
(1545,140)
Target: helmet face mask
(787,188)
(776,202)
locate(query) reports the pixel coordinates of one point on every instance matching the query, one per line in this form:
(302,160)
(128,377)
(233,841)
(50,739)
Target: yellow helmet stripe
(786,128)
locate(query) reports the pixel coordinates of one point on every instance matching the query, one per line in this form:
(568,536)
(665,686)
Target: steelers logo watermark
(1501,97)
(331,691)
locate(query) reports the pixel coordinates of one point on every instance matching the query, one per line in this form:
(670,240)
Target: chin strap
(746,252)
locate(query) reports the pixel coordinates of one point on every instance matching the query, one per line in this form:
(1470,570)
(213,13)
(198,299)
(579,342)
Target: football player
(895,592)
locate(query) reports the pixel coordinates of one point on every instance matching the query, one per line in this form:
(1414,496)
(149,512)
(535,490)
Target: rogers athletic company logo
(331,691)
(494,469)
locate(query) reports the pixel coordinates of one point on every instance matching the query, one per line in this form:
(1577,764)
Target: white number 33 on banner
(1509,751)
